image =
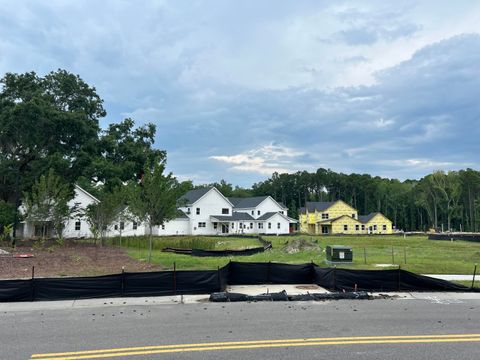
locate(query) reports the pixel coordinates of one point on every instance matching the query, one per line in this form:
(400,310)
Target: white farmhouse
(203,211)
(77,226)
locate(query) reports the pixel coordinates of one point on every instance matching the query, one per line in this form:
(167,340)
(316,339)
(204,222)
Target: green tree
(100,216)
(124,152)
(45,122)
(154,200)
(48,203)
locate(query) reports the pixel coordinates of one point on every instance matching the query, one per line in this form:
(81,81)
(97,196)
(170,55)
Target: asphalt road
(368,329)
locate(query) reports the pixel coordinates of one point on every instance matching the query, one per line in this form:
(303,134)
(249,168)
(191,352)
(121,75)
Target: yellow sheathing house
(338,217)
(377,223)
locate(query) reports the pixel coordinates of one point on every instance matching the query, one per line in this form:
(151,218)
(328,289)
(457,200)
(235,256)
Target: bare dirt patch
(72,259)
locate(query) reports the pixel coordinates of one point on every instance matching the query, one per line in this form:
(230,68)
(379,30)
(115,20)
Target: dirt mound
(298,245)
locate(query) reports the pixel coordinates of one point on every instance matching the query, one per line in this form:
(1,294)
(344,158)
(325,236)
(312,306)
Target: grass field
(415,253)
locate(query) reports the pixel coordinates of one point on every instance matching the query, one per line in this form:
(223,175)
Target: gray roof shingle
(193,195)
(311,206)
(248,202)
(367,218)
(236,216)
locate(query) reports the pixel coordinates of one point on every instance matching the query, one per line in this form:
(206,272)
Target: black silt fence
(463,237)
(209,281)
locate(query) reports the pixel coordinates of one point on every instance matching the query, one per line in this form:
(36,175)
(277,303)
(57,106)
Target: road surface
(433,327)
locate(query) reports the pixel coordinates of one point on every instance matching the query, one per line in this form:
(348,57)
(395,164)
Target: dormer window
(198,211)
(225,211)
(188,210)
(324,216)
(253,212)
(258,212)
(353,216)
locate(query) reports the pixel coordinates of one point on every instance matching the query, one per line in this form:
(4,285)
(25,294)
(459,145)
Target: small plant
(5,235)
(39,244)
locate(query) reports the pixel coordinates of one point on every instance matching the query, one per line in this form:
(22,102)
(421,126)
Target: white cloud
(265,160)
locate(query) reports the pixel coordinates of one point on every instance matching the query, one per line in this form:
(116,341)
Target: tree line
(440,200)
(51,139)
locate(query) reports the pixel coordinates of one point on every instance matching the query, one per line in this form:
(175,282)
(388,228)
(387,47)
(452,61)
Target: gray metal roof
(236,216)
(193,195)
(367,218)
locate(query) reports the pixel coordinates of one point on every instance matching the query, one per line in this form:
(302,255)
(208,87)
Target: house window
(357,227)
(122,225)
(345,227)
(375,227)
(269,225)
(384,227)
(260,225)
(278,225)
(363,227)
(163,226)
(188,210)
(134,225)
(115,227)
(215,225)
(282,212)
(225,211)
(251,225)
(198,211)
(258,212)
(78,225)
(353,216)
(324,216)
(233,225)
(241,225)
(324,229)
(202,224)
(253,212)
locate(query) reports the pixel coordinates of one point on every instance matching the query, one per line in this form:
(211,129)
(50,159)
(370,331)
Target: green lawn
(421,255)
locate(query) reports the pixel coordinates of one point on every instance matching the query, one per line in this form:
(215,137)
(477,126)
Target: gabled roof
(268,215)
(181,215)
(192,196)
(236,216)
(367,218)
(86,193)
(335,219)
(252,202)
(311,206)
(248,202)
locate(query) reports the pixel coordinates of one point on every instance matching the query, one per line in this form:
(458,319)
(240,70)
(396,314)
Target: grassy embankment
(422,255)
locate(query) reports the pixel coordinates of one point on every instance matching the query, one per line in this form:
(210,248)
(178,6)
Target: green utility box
(339,253)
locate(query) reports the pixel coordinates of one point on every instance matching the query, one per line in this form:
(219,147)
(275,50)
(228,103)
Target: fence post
(174,278)
(334,277)
(398,277)
(474,273)
(268,272)
(33,284)
(123,281)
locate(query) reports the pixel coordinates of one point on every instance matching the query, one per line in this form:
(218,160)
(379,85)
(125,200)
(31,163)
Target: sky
(241,89)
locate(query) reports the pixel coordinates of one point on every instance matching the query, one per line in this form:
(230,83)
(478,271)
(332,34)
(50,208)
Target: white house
(77,226)
(203,211)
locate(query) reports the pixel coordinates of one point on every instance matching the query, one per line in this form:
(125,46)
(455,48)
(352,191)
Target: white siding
(211,203)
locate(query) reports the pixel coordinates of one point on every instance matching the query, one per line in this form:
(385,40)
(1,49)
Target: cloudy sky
(240,89)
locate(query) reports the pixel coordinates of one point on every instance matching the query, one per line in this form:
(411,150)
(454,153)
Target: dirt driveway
(72,259)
